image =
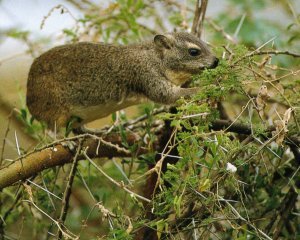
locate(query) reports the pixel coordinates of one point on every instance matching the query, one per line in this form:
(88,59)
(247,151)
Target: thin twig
(17,144)
(294,13)
(5,136)
(66,234)
(10,209)
(273,52)
(48,192)
(63,9)
(280,93)
(267,52)
(221,30)
(120,185)
(239,26)
(86,186)
(44,189)
(286,207)
(199,17)
(68,190)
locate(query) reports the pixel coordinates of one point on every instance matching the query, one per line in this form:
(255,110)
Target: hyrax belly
(91,113)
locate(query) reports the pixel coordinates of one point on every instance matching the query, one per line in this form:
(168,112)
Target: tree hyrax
(92,80)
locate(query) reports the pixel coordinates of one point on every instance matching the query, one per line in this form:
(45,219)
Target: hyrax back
(92,80)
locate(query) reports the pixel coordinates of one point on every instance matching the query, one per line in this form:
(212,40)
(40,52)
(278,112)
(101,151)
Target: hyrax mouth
(214,64)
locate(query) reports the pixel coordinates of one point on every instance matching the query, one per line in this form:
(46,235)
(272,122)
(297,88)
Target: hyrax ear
(163,41)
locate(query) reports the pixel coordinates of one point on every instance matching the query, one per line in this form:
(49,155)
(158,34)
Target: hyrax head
(184,52)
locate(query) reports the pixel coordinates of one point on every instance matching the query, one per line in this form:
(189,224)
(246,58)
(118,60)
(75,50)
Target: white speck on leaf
(231,168)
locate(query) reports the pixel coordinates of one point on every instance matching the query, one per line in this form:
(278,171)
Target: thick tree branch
(59,155)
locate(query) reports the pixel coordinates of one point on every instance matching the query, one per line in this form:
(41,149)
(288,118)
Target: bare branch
(199,17)
(67,193)
(267,52)
(274,52)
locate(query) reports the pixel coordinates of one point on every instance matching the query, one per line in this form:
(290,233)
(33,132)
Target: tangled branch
(58,155)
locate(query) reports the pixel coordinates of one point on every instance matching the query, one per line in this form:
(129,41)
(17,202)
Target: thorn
(17,144)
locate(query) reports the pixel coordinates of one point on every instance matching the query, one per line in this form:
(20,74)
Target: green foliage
(18,34)
(33,128)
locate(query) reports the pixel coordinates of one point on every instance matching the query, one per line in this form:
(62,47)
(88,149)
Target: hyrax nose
(215,63)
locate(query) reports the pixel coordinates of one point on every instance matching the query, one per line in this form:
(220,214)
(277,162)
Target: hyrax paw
(194,90)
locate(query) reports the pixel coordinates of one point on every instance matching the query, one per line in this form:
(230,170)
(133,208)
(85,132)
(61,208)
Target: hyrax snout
(92,80)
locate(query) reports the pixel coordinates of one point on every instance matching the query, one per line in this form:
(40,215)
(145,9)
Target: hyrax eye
(194,52)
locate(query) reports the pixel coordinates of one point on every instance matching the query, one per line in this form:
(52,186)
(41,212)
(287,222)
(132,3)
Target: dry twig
(199,17)
(67,193)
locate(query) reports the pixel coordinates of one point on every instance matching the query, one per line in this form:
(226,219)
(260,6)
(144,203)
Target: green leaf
(17,34)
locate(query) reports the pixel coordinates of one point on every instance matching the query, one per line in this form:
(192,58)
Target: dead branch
(67,193)
(274,52)
(199,17)
(267,52)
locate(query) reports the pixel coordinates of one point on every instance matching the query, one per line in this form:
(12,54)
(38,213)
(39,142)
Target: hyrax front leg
(165,92)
